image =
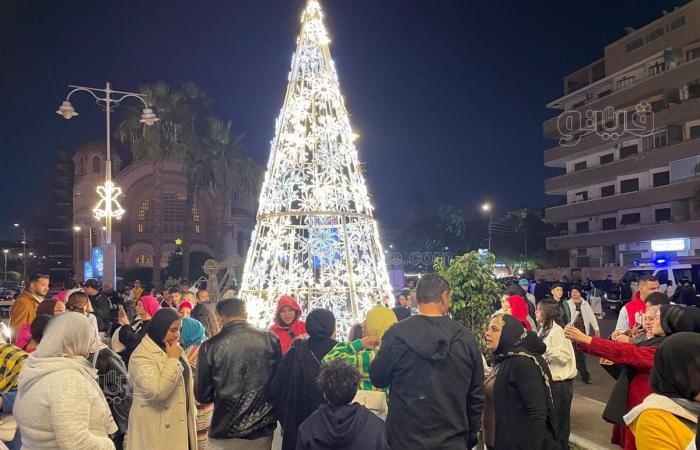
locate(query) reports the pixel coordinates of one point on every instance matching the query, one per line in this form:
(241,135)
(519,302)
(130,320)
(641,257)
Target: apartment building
(631,180)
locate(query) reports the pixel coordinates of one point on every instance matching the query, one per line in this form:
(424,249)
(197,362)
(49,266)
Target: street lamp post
(24,252)
(6,251)
(108,206)
(486,207)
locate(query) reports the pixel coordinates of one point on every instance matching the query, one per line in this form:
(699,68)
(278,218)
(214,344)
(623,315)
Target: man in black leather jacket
(234,370)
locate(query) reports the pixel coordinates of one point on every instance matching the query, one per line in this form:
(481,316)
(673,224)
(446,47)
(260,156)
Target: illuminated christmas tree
(315,238)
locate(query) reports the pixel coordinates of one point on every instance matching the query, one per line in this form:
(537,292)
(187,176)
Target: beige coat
(162,415)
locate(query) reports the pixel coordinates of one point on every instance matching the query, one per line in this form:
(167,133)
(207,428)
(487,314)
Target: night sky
(448,96)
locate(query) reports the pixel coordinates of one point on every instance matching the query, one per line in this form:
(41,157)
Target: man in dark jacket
(340,425)
(101,305)
(234,370)
(436,374)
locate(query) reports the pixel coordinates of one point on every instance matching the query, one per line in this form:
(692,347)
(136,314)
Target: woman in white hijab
(59,404)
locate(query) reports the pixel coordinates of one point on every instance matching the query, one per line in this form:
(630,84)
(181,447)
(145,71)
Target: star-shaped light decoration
(108,206)
(178,242)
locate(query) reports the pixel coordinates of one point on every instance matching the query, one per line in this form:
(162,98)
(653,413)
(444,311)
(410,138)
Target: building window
(607,191)
(583,261)
(662,215)
(635,43)
(195,218)
(676,23)
(143,216)
(582,227)
(96,164)
(81,166)
(579,166)
(692,54)
(654,34)
(657,68)
(609,223)
(581,251)
(606,159)
(631,185)
(626,152)
(694,132)
(581,196)
(630,219)
(144,260)
(661,178)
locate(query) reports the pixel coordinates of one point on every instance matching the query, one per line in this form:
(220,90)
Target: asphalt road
(602,381)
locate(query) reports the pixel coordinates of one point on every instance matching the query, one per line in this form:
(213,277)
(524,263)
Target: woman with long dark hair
(162,416)
(518,409)
(562,365)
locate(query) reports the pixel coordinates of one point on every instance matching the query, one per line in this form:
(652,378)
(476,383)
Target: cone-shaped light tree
(315,238)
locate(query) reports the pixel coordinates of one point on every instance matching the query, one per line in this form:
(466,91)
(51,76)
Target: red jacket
(639,358)
(634,307)
(286,334)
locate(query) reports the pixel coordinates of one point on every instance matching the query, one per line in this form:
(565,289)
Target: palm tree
(165,140)
(210,158)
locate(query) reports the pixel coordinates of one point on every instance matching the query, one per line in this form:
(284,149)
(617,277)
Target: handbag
(375,401)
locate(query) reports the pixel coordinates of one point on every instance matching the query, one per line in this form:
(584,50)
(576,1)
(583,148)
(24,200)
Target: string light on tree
(315,237)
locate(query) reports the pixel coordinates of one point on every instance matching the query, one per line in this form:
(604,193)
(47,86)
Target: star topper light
(108,206)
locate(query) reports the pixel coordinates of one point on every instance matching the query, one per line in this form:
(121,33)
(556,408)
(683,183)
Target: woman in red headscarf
(287,325)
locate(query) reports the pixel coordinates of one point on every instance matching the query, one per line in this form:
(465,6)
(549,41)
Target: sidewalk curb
(578,442)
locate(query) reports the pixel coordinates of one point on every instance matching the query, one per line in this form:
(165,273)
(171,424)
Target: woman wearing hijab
(287,325)
(47,308)
(76,416)
(518,409)
(295,393)
(192,335)
(665,419)
(129,335)
(361,352)
(632,385)
(162,416)
(561,361)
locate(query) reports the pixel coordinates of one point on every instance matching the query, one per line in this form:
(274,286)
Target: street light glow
(16,225)
(486,207)
(66,110)
(76,228)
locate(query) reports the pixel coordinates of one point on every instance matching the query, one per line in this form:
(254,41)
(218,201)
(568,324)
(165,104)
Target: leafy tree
(474,291)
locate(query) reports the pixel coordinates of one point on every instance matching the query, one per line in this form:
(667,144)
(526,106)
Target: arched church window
(144,260)
(96,164)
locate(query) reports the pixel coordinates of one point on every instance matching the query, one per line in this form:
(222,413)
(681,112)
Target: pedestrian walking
(584,319)
(288,324)
(562,366)
(193,335)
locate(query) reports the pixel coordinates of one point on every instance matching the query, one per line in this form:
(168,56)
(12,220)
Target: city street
(588,429)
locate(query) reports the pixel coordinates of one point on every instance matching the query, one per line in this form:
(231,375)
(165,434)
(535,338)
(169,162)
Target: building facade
(629,144)
(218,230)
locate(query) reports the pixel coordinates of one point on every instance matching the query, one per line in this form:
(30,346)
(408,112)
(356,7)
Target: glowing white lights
(315,237)
(108,206)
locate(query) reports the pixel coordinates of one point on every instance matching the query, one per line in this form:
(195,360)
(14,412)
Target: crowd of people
(92,369)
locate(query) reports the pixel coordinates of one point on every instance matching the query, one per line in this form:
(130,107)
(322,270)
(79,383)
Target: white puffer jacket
(59,405)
